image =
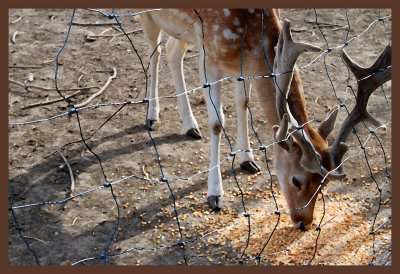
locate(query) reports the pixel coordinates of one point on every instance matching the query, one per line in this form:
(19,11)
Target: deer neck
(297,104)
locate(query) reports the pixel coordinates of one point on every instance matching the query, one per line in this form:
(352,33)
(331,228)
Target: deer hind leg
(212,97)
(153,35)
(246,158)
(175,52)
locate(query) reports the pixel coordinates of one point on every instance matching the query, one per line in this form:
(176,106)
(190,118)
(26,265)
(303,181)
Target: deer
(256,42)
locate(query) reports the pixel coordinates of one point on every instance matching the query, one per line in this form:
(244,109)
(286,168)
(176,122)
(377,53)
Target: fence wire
(261,148)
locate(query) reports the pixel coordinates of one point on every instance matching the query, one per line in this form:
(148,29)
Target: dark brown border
(204,3)
(175,4)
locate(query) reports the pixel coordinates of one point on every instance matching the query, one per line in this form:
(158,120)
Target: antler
(368,79)
(286,53)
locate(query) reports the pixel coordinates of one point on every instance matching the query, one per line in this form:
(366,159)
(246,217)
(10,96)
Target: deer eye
(296,182)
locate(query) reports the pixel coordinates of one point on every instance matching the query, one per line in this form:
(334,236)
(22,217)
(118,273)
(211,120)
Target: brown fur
(217,128)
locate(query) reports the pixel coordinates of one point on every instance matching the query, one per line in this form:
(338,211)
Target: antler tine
(286,53)
(368,79)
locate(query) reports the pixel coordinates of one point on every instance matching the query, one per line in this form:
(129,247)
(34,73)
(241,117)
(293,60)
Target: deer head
(303,160)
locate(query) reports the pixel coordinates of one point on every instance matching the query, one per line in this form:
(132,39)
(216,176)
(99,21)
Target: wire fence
(183,242)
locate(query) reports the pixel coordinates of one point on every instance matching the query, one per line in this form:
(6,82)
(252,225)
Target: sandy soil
(83,228)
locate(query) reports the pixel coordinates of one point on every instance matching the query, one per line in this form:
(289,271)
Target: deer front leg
(246,158)
(216,119)
(153,35)
(175,52)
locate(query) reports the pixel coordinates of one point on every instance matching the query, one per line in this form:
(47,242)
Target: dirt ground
(38,173)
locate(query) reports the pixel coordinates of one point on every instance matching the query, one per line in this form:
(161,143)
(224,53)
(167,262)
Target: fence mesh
(90,184)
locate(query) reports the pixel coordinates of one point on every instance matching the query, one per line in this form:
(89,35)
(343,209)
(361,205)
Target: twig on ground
(113,35)
(71,174)
(17,20)
(302,29)
(146,175)
(100,91)
(325,25)
(94,24)
(340,28)
(17,83)
(49,102)
(25,67)
(14,36)
(104,31)
(33,238)
(29,87)
(117,29)
(48,61)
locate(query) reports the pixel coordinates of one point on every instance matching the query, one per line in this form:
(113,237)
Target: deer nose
(300,225)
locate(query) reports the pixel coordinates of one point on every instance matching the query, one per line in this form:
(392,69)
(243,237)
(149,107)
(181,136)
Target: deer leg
(175,52)
(216,123)
(153,35)
(246,158)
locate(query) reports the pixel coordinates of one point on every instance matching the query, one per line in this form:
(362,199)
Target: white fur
(229,35)
(227,12)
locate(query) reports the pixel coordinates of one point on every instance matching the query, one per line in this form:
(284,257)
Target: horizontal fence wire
(173,182)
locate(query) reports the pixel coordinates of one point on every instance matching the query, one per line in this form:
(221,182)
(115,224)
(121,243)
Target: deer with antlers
(254,42)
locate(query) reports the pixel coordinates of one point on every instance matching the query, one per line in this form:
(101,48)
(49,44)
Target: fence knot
(329,49)
(111,16)
(240,262)
(206,85)
(71,111)
(342,104)
(106,184)
(318,228)
(240,78)
(262,148)
(232,154)
(102,256)
(164,180)
(277,213)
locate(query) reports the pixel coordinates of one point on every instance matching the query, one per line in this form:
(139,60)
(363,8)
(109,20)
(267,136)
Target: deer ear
(306,47)
(280,133)
(327,125)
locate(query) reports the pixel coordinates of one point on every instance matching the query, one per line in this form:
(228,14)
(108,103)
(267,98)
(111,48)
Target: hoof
(213,201)
(250,167)
(194,133)
(150,124)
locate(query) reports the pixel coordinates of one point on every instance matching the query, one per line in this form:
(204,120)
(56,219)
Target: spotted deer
(255,42)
